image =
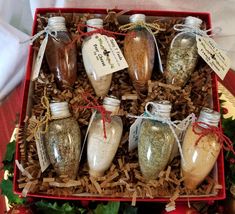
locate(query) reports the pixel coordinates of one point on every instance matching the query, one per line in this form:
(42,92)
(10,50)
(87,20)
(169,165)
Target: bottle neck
(209,117)
(97,23)
(111,104)
(57,23)
(162,109)
(59,110)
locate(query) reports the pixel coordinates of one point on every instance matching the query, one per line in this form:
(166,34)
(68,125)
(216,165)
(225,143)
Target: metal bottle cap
(59,110)
(57,23)
(209,117)
(137,17)
(98,23)
(193,22)
(111,104)
(162,109)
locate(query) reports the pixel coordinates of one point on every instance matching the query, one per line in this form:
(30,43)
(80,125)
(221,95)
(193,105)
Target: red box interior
(220,162)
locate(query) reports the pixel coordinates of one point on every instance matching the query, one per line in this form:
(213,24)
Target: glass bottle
(61,53)
(102,84)
(139,52)
(200,158)
(156,141)
(183,55)
(63,140)
(101,151)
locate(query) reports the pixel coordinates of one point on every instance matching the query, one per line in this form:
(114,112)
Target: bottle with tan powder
(156,141)
(102,84)
(101,151)
(63,140)
(200,157)
(139,52)
(61,54)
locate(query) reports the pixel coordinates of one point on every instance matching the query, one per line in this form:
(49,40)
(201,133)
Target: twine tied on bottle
(202,129)
(181,125)
(153,28)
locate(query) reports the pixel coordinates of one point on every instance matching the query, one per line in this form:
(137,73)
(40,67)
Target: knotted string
(202,129)
(180,125)
(152,28)
(92,103)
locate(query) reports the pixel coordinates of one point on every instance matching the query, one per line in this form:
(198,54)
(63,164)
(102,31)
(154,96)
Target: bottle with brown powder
(101,151)
(201,157)
(183,55)
(63,140)
(156,141)
(139,51)
(61,54)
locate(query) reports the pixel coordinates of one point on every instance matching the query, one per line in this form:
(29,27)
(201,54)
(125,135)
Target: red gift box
(218,169)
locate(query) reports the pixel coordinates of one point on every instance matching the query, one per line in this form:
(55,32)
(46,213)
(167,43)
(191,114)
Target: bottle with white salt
(101,151)
(102,84)
(200,157)
(63,140)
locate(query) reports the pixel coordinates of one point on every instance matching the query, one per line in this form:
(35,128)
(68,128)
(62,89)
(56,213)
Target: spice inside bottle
(139,53)
(63,140)
(100,150)
(201,157)
(183,55)
(61,53)
(156,141)
(102,84)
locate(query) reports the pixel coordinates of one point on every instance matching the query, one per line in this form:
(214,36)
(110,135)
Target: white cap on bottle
(98,23)
(209,117)
(137,18)
(111,104)
(59,110)
(57,23)
(162,109)
(193,22)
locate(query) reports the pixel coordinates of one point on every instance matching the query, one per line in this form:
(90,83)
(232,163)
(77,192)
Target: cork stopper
(59,110)
(137,18)
(57,23)
(98,23)
(112,104)
(209,117)
(193,22)
(162,109)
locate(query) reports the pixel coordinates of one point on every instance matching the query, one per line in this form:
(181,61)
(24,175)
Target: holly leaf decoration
(6,187)
(9,157)
(110,207)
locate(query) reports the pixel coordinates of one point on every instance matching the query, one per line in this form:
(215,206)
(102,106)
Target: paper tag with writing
(134,134)
(42,153)
(213,56)
(38,63)
(104,54)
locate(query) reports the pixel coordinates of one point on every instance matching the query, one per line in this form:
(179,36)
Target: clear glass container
(101,151)
(61,54)
(155,142)
(183,55)
(139,52)
(63,140)
(200,158)
(102,84)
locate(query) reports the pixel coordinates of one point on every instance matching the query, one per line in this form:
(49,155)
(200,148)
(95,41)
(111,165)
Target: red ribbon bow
(206,129)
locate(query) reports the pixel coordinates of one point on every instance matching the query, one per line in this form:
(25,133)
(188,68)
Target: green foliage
(7,186)
(109,208)
(9,157)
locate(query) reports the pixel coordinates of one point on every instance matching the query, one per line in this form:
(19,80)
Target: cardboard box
(218,169)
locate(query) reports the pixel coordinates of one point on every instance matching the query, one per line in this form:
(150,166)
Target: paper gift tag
(213,56)
(134,134)
(104,54)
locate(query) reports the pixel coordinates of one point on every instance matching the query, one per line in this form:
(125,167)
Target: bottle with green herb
(63,140)
(156,141)
(183,55)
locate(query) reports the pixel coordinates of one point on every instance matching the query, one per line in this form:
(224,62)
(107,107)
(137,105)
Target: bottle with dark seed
(61,53)
(183,55)
(156,141)
(139,51)
(63,140)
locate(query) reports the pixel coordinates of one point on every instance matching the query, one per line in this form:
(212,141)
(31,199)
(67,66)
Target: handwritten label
(42,154)
(134,134)
(213,56)
(104,54)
